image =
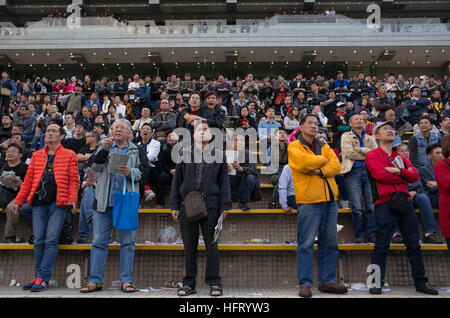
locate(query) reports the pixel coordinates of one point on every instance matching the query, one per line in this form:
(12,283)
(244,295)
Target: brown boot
(305,291)
(333,288)
(432,239)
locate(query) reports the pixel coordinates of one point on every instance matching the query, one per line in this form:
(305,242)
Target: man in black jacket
(195,112)
(5,130)
(242,171)
(217,112)
(167,170)
(191,177)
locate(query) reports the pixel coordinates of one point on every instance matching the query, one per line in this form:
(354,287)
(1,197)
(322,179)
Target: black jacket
(218,193)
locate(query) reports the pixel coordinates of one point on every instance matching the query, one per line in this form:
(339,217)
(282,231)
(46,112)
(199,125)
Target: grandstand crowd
(348,111)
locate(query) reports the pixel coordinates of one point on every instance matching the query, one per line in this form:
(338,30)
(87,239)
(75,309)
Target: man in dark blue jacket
(417,105)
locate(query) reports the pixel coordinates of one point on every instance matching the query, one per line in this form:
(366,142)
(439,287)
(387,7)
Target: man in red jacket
(387,178)
(51,188)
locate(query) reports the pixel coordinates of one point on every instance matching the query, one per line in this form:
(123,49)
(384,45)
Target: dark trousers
(4,105)
(190,235)
(243,190)
(164,180)
(409,228)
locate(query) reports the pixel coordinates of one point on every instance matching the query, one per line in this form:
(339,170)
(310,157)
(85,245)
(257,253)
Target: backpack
(65,236)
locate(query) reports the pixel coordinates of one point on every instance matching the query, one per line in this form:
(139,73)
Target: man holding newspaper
(389,174)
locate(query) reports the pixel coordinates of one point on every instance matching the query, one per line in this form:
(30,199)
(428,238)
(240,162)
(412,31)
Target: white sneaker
(345,204)
(149,195)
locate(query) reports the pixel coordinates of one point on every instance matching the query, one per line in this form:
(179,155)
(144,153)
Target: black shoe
(84,240)
(31,239)
(244,206)
(375,291)
(272,205)
(11,239)
(423,288)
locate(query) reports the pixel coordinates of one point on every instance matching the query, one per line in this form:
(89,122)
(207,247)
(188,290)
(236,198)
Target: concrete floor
(57,292)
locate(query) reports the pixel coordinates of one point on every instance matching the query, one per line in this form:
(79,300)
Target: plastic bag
(168,235)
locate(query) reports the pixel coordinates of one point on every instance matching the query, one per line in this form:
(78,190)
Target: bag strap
(124,187)
(208,177)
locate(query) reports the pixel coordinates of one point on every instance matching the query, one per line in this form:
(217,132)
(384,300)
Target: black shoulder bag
(194,202)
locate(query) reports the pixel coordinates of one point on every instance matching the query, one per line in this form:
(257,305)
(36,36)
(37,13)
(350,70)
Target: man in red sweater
(51,188)
(387,178)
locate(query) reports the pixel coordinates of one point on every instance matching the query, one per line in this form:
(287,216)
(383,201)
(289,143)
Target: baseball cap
(340,104)
(383,123)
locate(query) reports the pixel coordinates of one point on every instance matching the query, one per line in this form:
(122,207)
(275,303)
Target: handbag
(399,203)
(126,208)
(195,204)
(5,91)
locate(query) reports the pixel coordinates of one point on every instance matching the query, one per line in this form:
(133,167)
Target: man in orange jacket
(314,164)
(51,188)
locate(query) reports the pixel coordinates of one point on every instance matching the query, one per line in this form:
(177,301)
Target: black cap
(412,88)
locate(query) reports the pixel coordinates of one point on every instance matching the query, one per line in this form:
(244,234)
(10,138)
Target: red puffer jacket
(66,176)
(442,175)
(383,183)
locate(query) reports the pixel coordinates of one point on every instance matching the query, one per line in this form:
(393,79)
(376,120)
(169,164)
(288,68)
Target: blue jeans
(386,225)
(291,202)
(26,212)
(36,140)
(48,221)
(312,218)
(423,203)
(341,186)
(86,212)
(448,245)
(358,186)
(103,224)
(245,189)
